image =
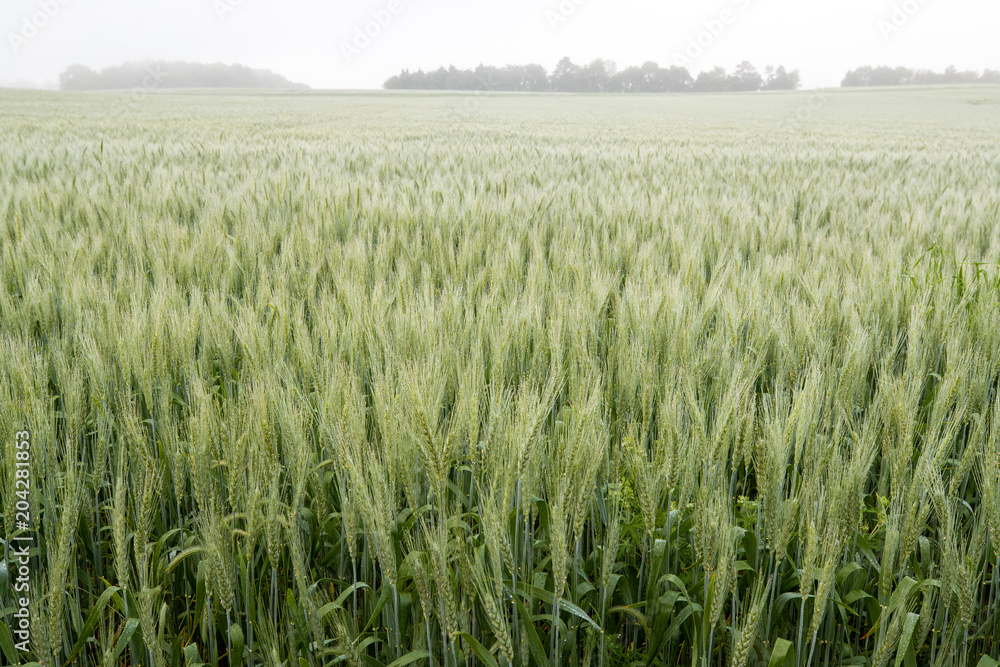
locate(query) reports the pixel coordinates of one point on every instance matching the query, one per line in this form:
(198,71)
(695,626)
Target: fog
(329,44)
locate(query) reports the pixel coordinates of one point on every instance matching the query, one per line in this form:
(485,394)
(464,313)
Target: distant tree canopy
(901,76)
(600,76)
(158,74)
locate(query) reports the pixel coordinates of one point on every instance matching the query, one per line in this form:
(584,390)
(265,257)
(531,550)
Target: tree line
(599,76)
(902,76)
(159,74)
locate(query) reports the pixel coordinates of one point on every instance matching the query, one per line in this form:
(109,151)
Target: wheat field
(487,380)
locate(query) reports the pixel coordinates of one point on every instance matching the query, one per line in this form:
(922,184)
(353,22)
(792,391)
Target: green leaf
(987,661)
(867,552)
(909,625)
(856,595)
(537,650)
(382,601)
(610,591)
(477,648)
(297,615)
(985,627)
(191,657)
(848,570)
(634,614)
(782,655)
(783,600)
(237,640)
(200,593)
(901,594)
(412,656)
(343,596)
(546,596)
(656,562)
(123,640)
(668,600)
(370,641)
(179,558)
(92,620)
(682,616)
(328,609)
(7,644)
(659,637)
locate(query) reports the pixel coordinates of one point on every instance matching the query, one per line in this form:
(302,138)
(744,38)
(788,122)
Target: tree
(856,77)
(535,78)
(566,76)
(781,79)
(715,81)
(159,74)
(78,77)
(901,76)
(676,80)
(629,80)
(599,76)
(878,76)
(596,77)
(746,78)
(650,72)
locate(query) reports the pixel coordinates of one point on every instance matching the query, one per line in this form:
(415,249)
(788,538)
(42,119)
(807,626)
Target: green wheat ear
(332,378)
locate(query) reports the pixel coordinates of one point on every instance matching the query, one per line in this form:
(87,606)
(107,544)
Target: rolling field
(438,379)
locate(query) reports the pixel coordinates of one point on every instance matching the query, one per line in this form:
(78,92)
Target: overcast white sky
(305,39)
